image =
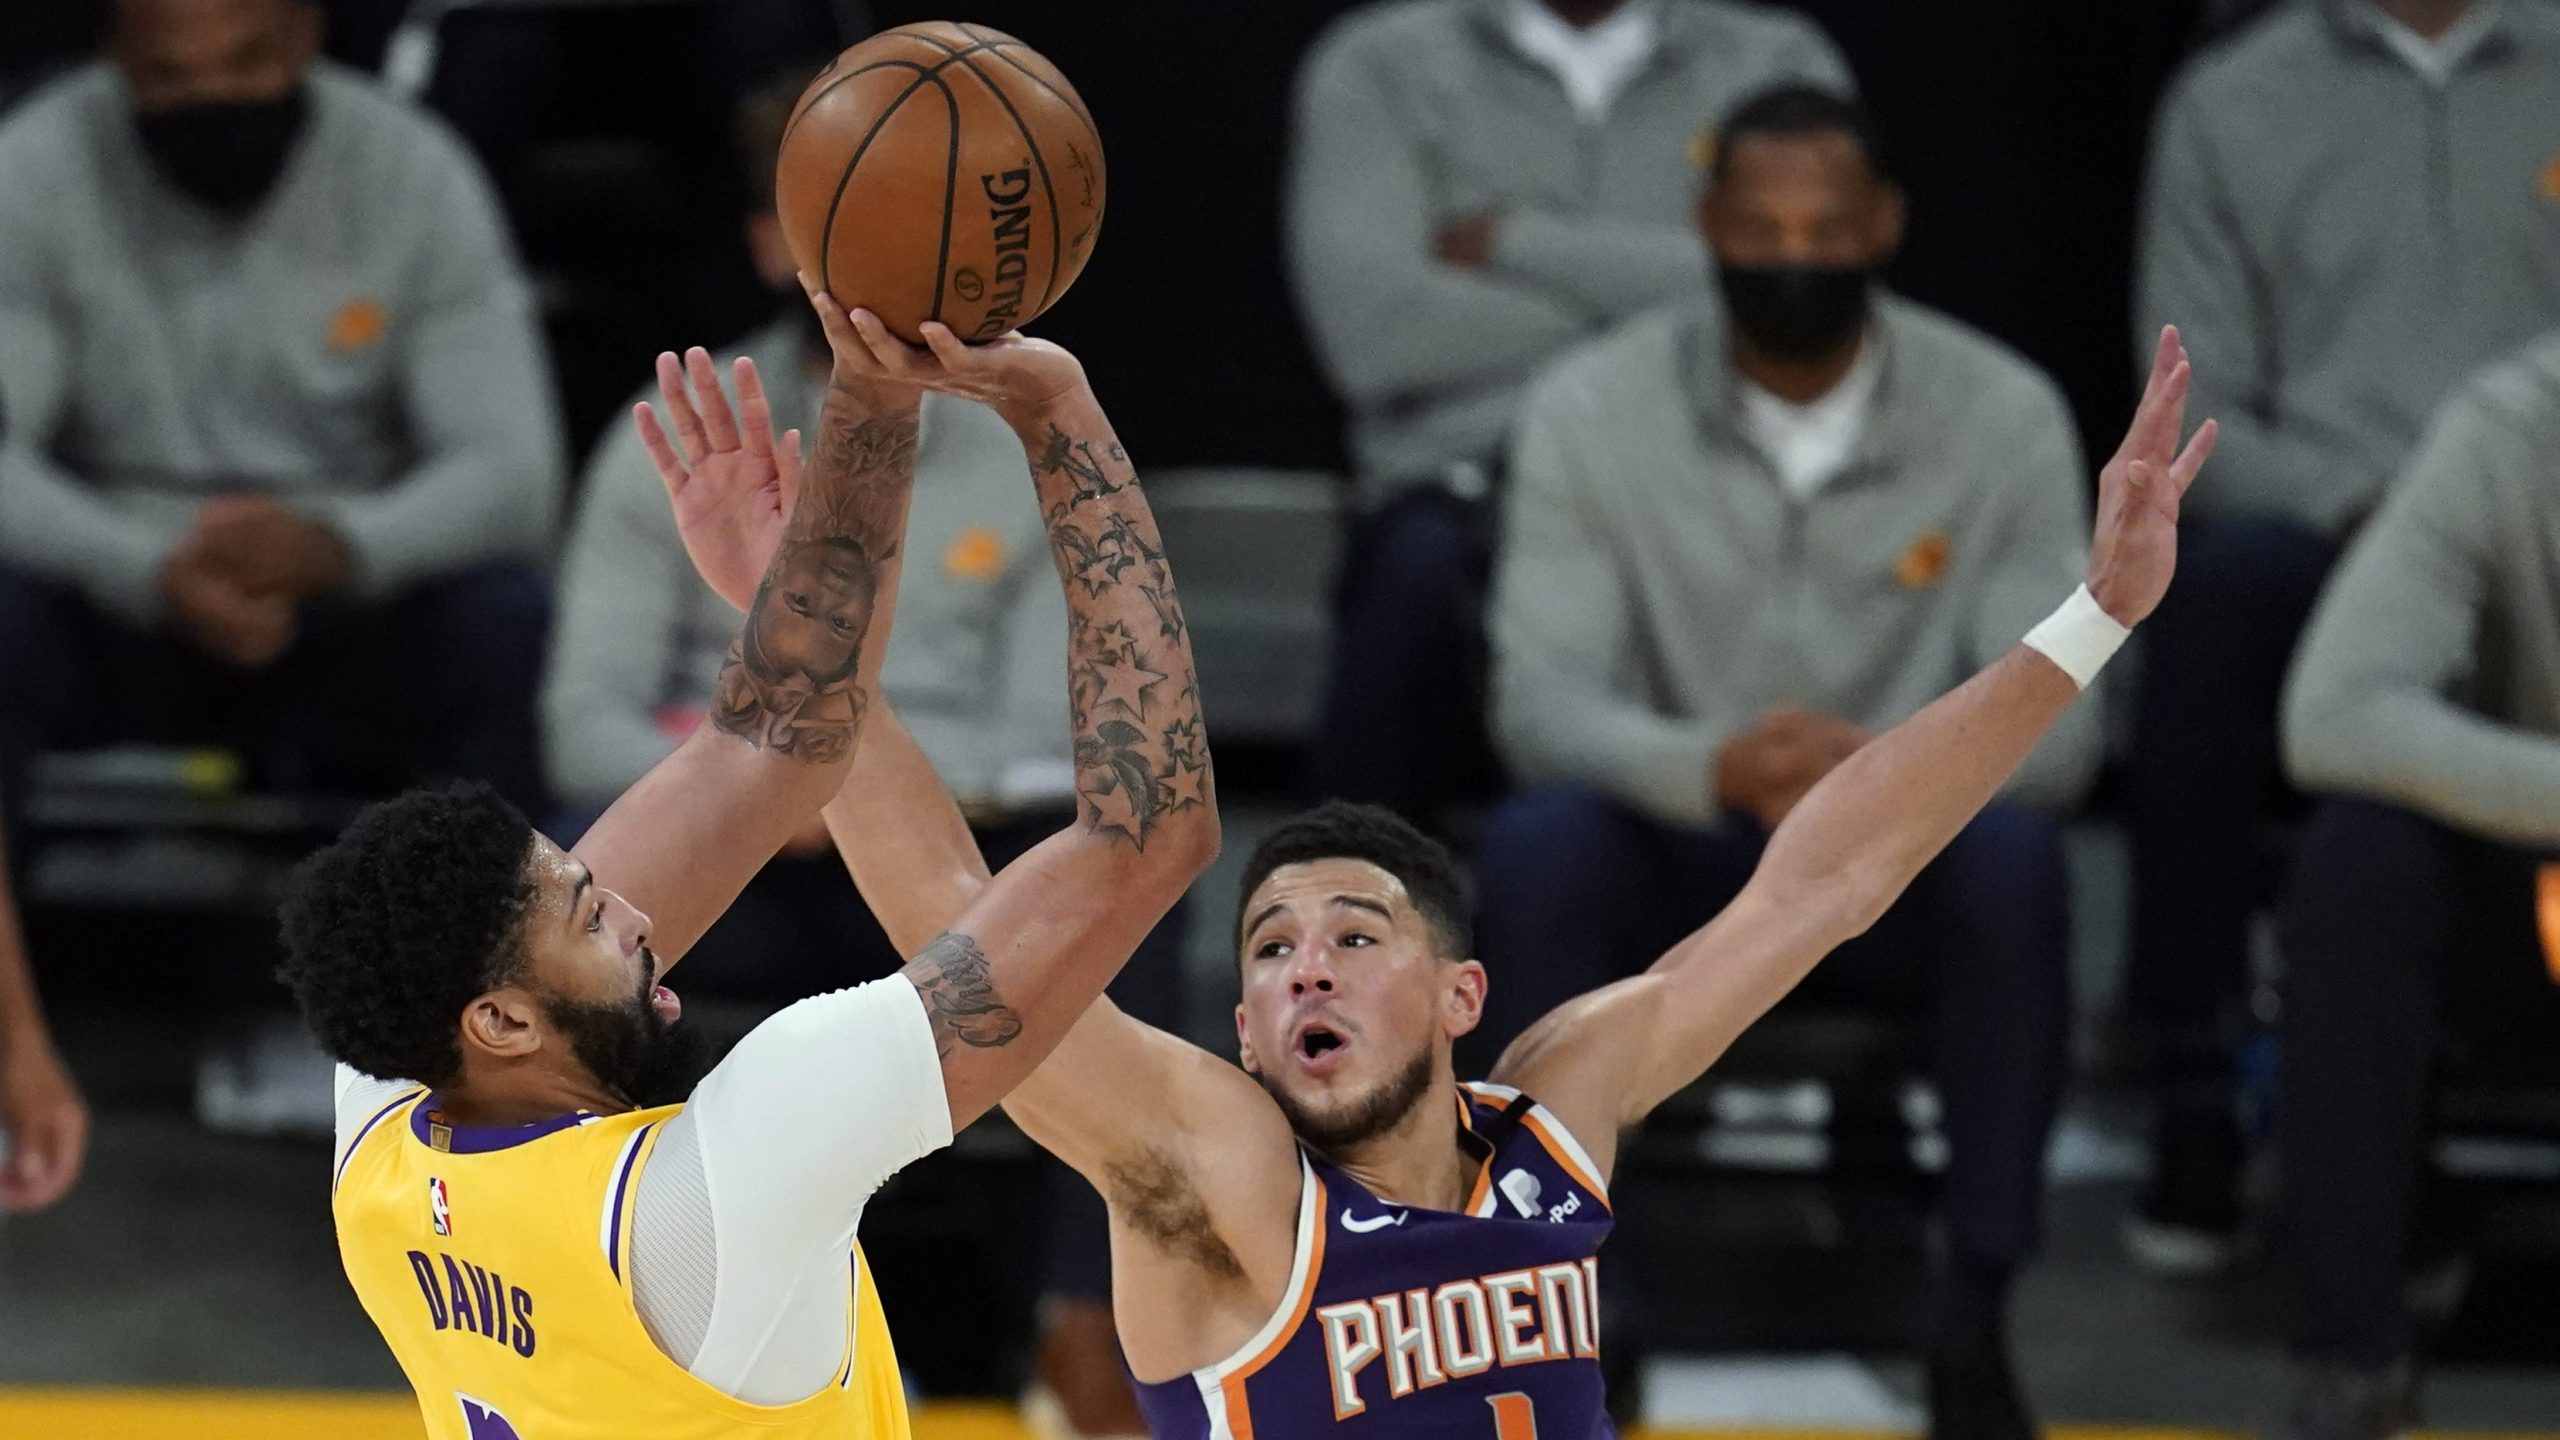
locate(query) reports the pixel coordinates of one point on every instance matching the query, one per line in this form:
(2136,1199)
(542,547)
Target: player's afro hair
(418,907)
(1339,830)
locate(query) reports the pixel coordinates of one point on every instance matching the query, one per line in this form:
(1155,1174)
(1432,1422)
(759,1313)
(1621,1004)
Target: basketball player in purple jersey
(1339,1239)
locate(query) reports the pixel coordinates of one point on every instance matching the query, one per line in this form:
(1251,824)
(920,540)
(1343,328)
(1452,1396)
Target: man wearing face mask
(1475,187)
(278,419)
(1740,539)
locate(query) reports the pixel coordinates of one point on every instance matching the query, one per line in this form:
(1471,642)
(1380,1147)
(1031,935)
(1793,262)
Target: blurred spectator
(1740,539)
(2353,205)
(279,445)
(1477,186)
(2426,702)
(43,1126)
(973,674)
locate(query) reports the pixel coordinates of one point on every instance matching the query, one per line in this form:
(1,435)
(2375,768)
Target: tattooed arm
(1014,960)
(789,702)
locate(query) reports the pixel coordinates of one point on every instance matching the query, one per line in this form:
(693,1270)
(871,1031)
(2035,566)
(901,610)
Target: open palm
(2134,551)
(732,483)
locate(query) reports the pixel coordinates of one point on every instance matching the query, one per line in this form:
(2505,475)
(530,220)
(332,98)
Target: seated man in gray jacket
(2426,706)
(279,432)
(2352,207)
(1476,186)
(1741,539)
(973,676)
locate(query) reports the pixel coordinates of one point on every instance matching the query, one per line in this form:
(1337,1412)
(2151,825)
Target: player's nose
(1311,969)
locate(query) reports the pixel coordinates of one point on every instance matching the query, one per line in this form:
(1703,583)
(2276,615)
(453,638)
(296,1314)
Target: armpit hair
(1155,1197)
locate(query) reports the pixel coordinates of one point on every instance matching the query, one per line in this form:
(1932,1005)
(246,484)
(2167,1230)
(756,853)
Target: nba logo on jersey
(482,1423)
(440,1210)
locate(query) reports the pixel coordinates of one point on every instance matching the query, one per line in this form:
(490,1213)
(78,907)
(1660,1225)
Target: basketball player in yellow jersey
(547,1260)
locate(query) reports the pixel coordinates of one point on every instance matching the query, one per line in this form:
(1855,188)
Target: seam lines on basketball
(995,47)
(827,235)
(801,113)
(1039,161)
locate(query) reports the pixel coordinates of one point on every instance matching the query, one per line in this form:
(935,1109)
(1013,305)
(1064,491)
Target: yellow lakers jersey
(496,1262)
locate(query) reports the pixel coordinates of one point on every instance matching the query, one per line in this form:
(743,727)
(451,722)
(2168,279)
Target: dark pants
(435,682)
(800,928)
(1577,890)
(2205,779)
(2397,932)
(1404,705)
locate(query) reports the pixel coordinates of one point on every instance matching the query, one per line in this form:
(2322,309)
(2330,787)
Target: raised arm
(1847,852)
(789,703)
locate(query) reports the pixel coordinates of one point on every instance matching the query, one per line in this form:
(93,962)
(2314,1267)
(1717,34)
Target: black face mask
(226,154)
(1795,312)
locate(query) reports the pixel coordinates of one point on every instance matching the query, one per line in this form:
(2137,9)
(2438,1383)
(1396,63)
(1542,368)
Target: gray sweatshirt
(2431,674)
(1658,588)
(2342,241)
(362,347)
(1418,113)
(976,669)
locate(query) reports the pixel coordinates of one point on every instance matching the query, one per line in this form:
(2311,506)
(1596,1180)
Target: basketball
(942,172)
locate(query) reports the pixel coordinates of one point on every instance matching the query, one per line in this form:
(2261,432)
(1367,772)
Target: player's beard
(1363,1119)
(626,1046)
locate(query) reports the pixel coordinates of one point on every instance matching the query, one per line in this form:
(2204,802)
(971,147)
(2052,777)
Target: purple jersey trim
(366,1129)
(621,1191)
(482,1139)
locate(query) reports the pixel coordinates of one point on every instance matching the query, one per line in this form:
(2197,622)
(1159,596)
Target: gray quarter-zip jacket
(2342,242)
(2431,674)
(1417,113)
(1658,588)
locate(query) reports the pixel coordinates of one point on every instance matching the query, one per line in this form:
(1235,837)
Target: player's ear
(1244,1046)
(1463,1010)
(503,1024)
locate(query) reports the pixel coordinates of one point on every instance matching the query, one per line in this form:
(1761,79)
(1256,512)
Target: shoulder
(45,134)
(1744,30)
(2270,55)
(2511,408)
(1953,366)
(389,140)
(1401,34)
(1636,364)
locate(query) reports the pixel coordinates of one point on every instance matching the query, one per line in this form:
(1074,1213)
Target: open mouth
(1316,1041)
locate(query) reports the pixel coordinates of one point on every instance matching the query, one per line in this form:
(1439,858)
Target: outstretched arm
(1857,840)
(789,702)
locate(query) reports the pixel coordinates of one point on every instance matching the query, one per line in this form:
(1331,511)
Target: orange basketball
(942,172)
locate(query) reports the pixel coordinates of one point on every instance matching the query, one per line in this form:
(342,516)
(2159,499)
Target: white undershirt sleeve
(777,1151)
(360,1098)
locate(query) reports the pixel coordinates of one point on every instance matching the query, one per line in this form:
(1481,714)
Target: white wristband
(2080,637)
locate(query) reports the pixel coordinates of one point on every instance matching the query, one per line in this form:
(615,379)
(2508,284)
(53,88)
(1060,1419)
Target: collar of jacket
(1714,389)
(1675,29)
(2355,26)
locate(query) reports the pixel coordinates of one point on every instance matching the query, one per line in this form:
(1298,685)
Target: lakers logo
(977,553)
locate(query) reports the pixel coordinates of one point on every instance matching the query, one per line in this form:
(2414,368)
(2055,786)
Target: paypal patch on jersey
(1417,1323)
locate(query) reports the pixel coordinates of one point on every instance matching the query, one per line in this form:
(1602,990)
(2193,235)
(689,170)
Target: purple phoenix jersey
(1409,1324)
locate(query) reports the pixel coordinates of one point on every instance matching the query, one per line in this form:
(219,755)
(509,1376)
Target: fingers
(755,413)
(719,424)
(2190,463)
(671,393)
(786,470)
(897,359)
(653,438)
(946,347)
(841,336)
(2160,419)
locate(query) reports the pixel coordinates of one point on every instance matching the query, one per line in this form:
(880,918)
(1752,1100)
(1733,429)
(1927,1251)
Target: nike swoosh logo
(1363,1227)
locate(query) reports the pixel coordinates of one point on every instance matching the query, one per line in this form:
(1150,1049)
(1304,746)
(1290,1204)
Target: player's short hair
(417,908)
(1339,830)
(1797,108)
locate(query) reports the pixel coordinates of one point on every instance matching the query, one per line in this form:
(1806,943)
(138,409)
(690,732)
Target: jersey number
(1514,1418)
(481,1421)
